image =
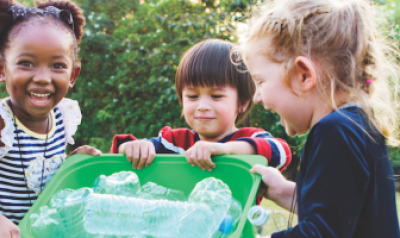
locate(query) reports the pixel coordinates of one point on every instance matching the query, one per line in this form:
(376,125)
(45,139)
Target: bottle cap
(258,215)
(226,224)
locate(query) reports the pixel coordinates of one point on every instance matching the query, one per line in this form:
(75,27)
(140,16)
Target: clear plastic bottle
(199,217)
(231,219)
(267,221)
(125,183)
(65,215)
(153,191)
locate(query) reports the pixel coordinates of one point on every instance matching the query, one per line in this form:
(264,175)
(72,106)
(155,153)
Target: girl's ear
(242,108)
(75,73)
(305,77)
(2,74)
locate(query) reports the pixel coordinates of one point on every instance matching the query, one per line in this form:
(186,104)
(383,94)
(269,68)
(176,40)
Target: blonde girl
(322,65)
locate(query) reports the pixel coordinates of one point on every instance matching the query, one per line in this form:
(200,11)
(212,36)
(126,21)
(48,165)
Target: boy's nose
(204,104)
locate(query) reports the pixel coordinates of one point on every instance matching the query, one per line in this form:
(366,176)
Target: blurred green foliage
(130,52)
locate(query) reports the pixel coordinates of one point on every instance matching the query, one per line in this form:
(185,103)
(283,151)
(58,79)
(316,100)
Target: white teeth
(40,95)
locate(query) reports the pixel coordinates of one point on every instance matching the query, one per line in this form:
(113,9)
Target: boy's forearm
(239,147)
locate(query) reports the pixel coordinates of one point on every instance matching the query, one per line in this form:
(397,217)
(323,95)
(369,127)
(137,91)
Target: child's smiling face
(210,111)
(39,68)
(274,95)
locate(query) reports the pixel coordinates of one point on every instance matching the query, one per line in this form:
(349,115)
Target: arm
(332,182)
(200,153)
(275,187)
(276,150)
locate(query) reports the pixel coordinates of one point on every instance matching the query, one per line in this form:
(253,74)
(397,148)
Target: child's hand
(200,154)
(140,152)
(273,181)
(275,186)
(8,229)
(86,149)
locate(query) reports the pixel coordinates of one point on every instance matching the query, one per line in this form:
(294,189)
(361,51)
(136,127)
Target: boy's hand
(8,229)
(200,154)
(140,152)
(86,149)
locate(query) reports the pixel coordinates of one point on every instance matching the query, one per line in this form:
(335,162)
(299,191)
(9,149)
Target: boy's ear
(75,73)
(242,108)
(2,74)
(306,74)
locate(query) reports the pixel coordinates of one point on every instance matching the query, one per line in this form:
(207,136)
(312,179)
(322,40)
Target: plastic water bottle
(230,221)
(199,217)
(47,223)
(153,191)
(267,221)
(124,183)
(71,208)
(65,215)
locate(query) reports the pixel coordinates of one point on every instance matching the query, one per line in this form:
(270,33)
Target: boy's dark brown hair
(208,64)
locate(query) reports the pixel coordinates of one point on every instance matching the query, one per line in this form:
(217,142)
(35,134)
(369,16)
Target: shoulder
(342,123)
(72,116)
(341,136)
(252,132)
(6,128)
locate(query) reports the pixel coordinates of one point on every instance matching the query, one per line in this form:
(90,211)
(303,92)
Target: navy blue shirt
(345,186)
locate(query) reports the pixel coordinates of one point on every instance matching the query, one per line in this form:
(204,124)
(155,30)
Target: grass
(271,205)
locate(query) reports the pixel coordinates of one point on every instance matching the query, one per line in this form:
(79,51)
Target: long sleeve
(120,139)
(168,141)
(344,187)
(276,150)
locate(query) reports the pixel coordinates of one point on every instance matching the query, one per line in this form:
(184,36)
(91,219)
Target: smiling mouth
(40,97)
(204,118)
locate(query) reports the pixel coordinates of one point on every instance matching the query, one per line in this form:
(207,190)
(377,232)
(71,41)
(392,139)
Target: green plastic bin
(171,171)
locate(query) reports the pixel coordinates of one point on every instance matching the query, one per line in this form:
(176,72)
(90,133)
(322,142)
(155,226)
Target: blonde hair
(342,39)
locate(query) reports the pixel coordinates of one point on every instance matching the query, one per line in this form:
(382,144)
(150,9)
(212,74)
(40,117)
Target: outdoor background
(130,52)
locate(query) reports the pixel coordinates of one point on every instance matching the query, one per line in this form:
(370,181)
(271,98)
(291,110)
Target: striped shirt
(15,196)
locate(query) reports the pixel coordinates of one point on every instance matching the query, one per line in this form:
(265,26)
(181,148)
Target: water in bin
(82,213)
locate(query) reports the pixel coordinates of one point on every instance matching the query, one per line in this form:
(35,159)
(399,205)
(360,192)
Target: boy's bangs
(209,66)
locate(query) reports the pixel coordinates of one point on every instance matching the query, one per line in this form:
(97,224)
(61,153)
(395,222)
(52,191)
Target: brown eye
(192,96)
(216,96)
(59,66)
(26,64)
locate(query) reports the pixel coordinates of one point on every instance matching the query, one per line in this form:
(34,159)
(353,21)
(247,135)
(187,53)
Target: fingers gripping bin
(171,171)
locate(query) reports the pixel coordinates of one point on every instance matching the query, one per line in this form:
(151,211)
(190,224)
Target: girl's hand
(86,149)
(8,229)
(140,152)
(200,154)
(273,181)
(275,186)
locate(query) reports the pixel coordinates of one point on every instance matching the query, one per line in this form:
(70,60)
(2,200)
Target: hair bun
(76,12)
(5,16)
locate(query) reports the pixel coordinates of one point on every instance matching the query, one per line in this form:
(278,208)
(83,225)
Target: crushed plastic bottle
(125,183)
(153,191)
(267,221)
(85,214)
(199,217)
(65,215)
(231,220)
